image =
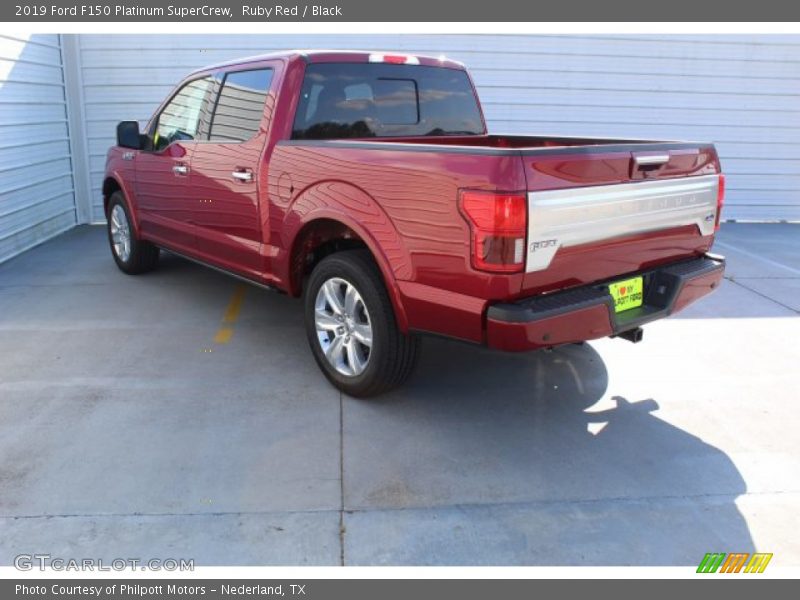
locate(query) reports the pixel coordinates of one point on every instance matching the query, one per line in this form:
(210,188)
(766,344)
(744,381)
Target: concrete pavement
(126,431)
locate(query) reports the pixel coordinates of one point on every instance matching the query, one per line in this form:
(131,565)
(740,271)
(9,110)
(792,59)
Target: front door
(163,172)
(227,171)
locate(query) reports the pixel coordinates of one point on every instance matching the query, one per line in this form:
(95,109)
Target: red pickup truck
(368,184)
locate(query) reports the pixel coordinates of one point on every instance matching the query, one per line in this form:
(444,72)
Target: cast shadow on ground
(480,428)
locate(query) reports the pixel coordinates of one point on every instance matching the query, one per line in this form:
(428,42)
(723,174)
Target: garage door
(743,92)
(36,191)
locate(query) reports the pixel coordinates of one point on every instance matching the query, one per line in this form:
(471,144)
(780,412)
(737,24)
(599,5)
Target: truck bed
(598,208)
(559,162)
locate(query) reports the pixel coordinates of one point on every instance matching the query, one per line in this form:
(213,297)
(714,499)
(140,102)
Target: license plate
(627,294)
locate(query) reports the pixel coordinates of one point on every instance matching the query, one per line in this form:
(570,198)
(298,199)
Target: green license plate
(627,294)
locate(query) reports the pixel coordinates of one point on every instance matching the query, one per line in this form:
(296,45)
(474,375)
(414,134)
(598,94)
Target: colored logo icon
(736,562)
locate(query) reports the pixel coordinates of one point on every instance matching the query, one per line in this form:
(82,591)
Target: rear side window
(182,117)
(240,106)
(349,100)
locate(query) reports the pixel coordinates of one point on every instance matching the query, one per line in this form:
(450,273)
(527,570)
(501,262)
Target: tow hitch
(632,335)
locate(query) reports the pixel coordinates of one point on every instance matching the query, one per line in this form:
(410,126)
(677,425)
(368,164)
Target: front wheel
(351,326)
(131,254)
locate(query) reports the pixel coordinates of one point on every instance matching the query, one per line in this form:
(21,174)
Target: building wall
(742,92)
(37,198)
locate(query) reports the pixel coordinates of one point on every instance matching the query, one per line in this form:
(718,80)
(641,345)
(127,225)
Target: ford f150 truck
(367,183)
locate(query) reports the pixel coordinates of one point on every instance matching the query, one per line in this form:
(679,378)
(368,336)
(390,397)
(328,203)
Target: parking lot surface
(128,430)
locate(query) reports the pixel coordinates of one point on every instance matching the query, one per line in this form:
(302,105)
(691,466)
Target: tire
(355,368)
(132,255)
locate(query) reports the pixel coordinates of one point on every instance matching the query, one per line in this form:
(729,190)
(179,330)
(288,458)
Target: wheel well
(110,186)
(315,241)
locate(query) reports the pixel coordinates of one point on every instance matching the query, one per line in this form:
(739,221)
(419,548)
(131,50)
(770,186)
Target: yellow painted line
(224,335)
(225,332)
(234,306)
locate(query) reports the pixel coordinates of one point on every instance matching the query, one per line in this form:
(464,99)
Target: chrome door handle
(242,175)
(180,169)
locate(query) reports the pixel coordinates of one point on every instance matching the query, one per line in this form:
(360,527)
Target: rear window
(353,100)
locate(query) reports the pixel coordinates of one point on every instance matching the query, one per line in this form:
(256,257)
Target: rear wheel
(351,326)
(131,254)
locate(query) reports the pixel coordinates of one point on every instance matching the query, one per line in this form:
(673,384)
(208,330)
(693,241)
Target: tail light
(395,59)
(498,222)
(720,200)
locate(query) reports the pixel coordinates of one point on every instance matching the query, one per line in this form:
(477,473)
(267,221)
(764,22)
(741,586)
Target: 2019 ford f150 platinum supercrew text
(368,184)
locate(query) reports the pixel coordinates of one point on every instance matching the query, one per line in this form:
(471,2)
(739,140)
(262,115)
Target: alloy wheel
(343,326)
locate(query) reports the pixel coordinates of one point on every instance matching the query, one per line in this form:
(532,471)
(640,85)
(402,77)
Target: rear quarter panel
(408,201)
(405,203)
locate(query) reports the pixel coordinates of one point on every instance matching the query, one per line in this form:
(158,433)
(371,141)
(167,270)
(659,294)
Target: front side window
(182,116)
(351,100)
(240,107)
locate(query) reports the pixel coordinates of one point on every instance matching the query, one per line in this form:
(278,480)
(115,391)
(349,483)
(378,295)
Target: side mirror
(128,135)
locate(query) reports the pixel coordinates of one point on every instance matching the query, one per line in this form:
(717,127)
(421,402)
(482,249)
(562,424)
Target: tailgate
(600,211)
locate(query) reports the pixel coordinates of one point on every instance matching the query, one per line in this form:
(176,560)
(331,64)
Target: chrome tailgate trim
(571,217)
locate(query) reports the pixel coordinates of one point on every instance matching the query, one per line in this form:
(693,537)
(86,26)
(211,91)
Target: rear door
(228,169)
(162,173)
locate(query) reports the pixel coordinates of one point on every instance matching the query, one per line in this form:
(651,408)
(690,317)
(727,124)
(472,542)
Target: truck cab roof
(341,56)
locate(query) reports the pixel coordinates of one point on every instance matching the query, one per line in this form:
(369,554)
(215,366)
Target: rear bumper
(587,313)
